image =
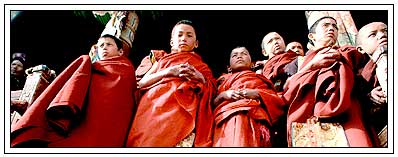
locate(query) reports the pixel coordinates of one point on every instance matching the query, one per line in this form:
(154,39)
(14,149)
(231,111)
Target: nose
(331,28)
(381,35)
(183,38)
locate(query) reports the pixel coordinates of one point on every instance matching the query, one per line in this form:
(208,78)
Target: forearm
(150,79)
(219,99)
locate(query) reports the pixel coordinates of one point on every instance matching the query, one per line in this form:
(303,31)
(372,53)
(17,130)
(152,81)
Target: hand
(324,58)
(249,93)
(189,72)
(232,95)
(382,49)
(377,96)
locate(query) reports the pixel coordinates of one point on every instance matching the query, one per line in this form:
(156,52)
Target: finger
(183,75)
(235,97)
(378,94)
(378,88)
(324,50)
(383,99)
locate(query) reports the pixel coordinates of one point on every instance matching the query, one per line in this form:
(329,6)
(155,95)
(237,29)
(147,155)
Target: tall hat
(314,16)
(123,25)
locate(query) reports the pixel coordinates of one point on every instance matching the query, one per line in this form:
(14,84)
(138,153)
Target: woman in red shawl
(246,105)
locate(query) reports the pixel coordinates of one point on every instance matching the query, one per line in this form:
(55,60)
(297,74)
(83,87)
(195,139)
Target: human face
(273,44)
(295,47)
(183,38)
(240,59)
(16,68)
(372,36)
(107,48)
(326,33)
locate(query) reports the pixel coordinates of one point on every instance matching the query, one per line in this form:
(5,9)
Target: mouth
(383,42)
(239,61)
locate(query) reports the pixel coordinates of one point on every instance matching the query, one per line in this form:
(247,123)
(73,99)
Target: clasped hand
(186,71)
(241,94)
(325,58)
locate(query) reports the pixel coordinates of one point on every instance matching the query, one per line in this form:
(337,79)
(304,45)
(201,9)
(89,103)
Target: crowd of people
(173,99)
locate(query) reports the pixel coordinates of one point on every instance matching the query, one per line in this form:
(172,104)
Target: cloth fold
(327,93)
(87,105)
(173,107)
(246,122)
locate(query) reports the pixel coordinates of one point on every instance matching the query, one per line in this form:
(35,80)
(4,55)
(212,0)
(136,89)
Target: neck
(324,44)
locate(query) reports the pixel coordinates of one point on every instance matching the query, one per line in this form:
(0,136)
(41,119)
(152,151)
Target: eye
(372,34)
(335,26)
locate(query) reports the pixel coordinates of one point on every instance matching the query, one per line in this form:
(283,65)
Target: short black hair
(187,22)
(313,27)
(118,42)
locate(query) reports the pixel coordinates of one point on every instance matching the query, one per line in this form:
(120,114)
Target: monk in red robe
(87,105)
(273,46)
(372,42)
(174,109)
(323,87)
(246,106)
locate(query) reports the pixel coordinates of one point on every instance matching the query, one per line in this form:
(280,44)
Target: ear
(197,44)
(171,42)
(264,53)
(121,52)
(229,69)
(311,36)
(360,49)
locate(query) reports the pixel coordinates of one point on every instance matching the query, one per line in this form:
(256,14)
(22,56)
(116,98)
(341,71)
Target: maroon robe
(87,105)
(327,93)
(274,68)
(246,122)
(174,107)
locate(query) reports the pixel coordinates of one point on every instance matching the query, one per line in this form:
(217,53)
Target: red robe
(376,114)
(327,93)
(369,74)
(246,122)
(147,62)
(173,107)
(274,68)
(87,105)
